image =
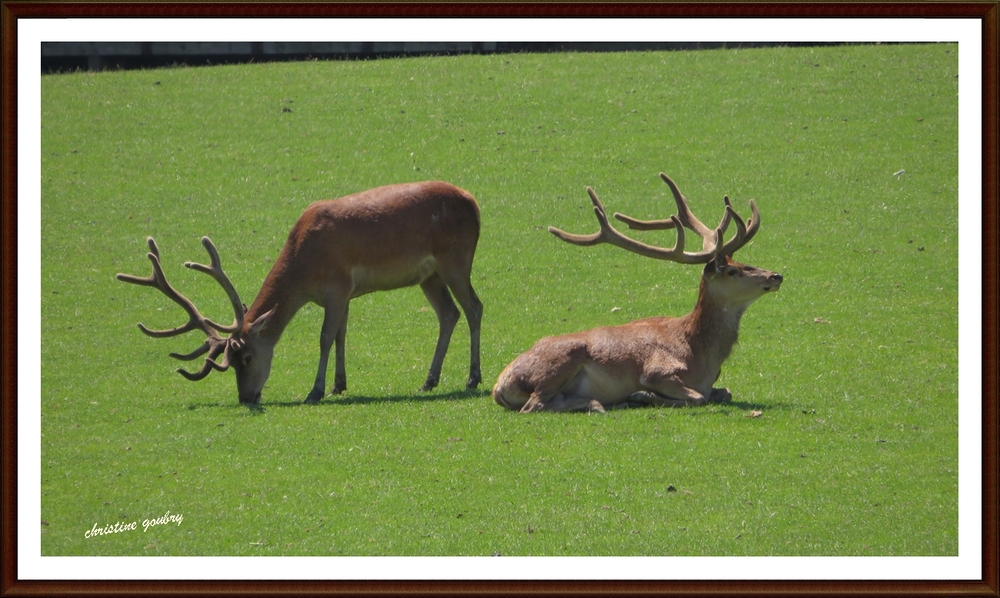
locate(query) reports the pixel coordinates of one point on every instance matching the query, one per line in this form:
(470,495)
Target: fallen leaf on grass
(754,414)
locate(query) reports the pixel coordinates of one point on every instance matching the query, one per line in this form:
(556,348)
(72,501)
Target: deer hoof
(533,404)
(429,385)
(641,398)
(314,397)
(720,395)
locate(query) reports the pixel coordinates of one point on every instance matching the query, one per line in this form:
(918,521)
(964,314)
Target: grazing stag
(653,361)
(380,239)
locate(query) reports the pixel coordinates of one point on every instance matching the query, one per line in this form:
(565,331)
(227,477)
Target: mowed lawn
(842,438)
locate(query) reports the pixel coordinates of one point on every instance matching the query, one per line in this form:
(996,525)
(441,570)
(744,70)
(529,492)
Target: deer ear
(715,264)
(258,325)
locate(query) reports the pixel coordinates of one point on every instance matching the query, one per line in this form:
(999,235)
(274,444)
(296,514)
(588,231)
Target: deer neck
(714,323)
(278,293)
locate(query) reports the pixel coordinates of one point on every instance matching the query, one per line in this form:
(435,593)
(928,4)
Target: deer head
(250,358)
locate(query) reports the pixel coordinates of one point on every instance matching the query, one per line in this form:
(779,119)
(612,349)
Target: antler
(215,271)
(712,244)
(214,345)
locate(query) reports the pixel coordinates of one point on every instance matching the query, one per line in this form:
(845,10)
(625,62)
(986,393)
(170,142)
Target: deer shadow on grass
(342,400)
(463,395)
(703,410)
(457,395)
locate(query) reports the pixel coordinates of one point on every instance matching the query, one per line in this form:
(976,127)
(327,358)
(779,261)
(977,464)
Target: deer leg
(340,369)
(646,397)
(473,309)
(562,402)
(439,297)
(661,388)
(558,391)
(458,281)
(334,320)
(553,368)
(534,403)
(570,402)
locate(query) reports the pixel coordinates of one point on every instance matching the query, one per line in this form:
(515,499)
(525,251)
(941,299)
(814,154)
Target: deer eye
(247,359)
(732,272)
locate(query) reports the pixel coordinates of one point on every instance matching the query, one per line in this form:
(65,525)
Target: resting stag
(654,361)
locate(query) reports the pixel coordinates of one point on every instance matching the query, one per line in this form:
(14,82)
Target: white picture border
(966,32)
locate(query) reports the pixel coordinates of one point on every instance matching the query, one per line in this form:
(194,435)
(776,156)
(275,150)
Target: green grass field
(853,364)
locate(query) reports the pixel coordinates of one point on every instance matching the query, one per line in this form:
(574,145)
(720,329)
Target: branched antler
(215,271)
(712,239)
(214,344)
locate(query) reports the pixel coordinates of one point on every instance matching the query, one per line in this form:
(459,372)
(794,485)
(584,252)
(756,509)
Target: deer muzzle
(253,399)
